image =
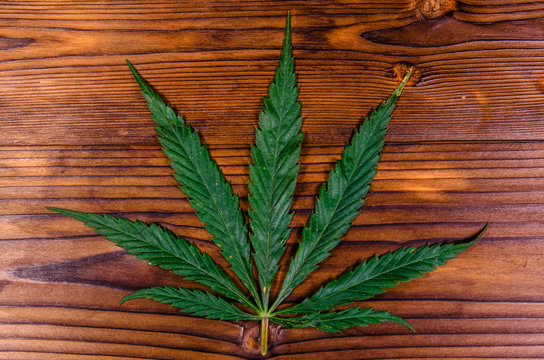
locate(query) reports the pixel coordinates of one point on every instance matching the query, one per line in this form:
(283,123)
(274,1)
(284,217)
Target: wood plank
(464,148)
(485,11)
(63,70)
(66,297)
(504,278)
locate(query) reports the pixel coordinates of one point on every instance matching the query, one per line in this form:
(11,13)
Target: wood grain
(465,147)
(423,193)
(63,68)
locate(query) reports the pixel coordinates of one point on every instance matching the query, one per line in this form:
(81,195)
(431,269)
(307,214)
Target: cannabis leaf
(274,170)
(339,202)
(160,247)
(335,321)
(273,175)
(194,302)
(372,277)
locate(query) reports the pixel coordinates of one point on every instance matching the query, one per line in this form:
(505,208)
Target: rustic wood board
(465,147)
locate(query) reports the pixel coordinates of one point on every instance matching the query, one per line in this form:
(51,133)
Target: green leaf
(158,246)
(196,302)
(378,273)
(200,178)
(274,170)
(336,321)
(339,202)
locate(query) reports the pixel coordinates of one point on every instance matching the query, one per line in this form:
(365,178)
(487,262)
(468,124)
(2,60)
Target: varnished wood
(423,192)
(64,68)
(464,148)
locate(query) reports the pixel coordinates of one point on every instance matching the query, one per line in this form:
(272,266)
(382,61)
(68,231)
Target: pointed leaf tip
(287,36)
(78,215)
(401,321)
(481,233)
(144,87)
(476,237)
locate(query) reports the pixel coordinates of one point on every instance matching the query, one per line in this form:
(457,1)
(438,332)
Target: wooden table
(465,147)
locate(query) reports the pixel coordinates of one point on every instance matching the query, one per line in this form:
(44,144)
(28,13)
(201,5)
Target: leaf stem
(264,335)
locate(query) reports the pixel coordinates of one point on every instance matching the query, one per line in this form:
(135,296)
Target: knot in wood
(401,68)
(251,337)
(432,9)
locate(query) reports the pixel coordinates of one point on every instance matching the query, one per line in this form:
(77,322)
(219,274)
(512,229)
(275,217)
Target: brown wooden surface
(465,147)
